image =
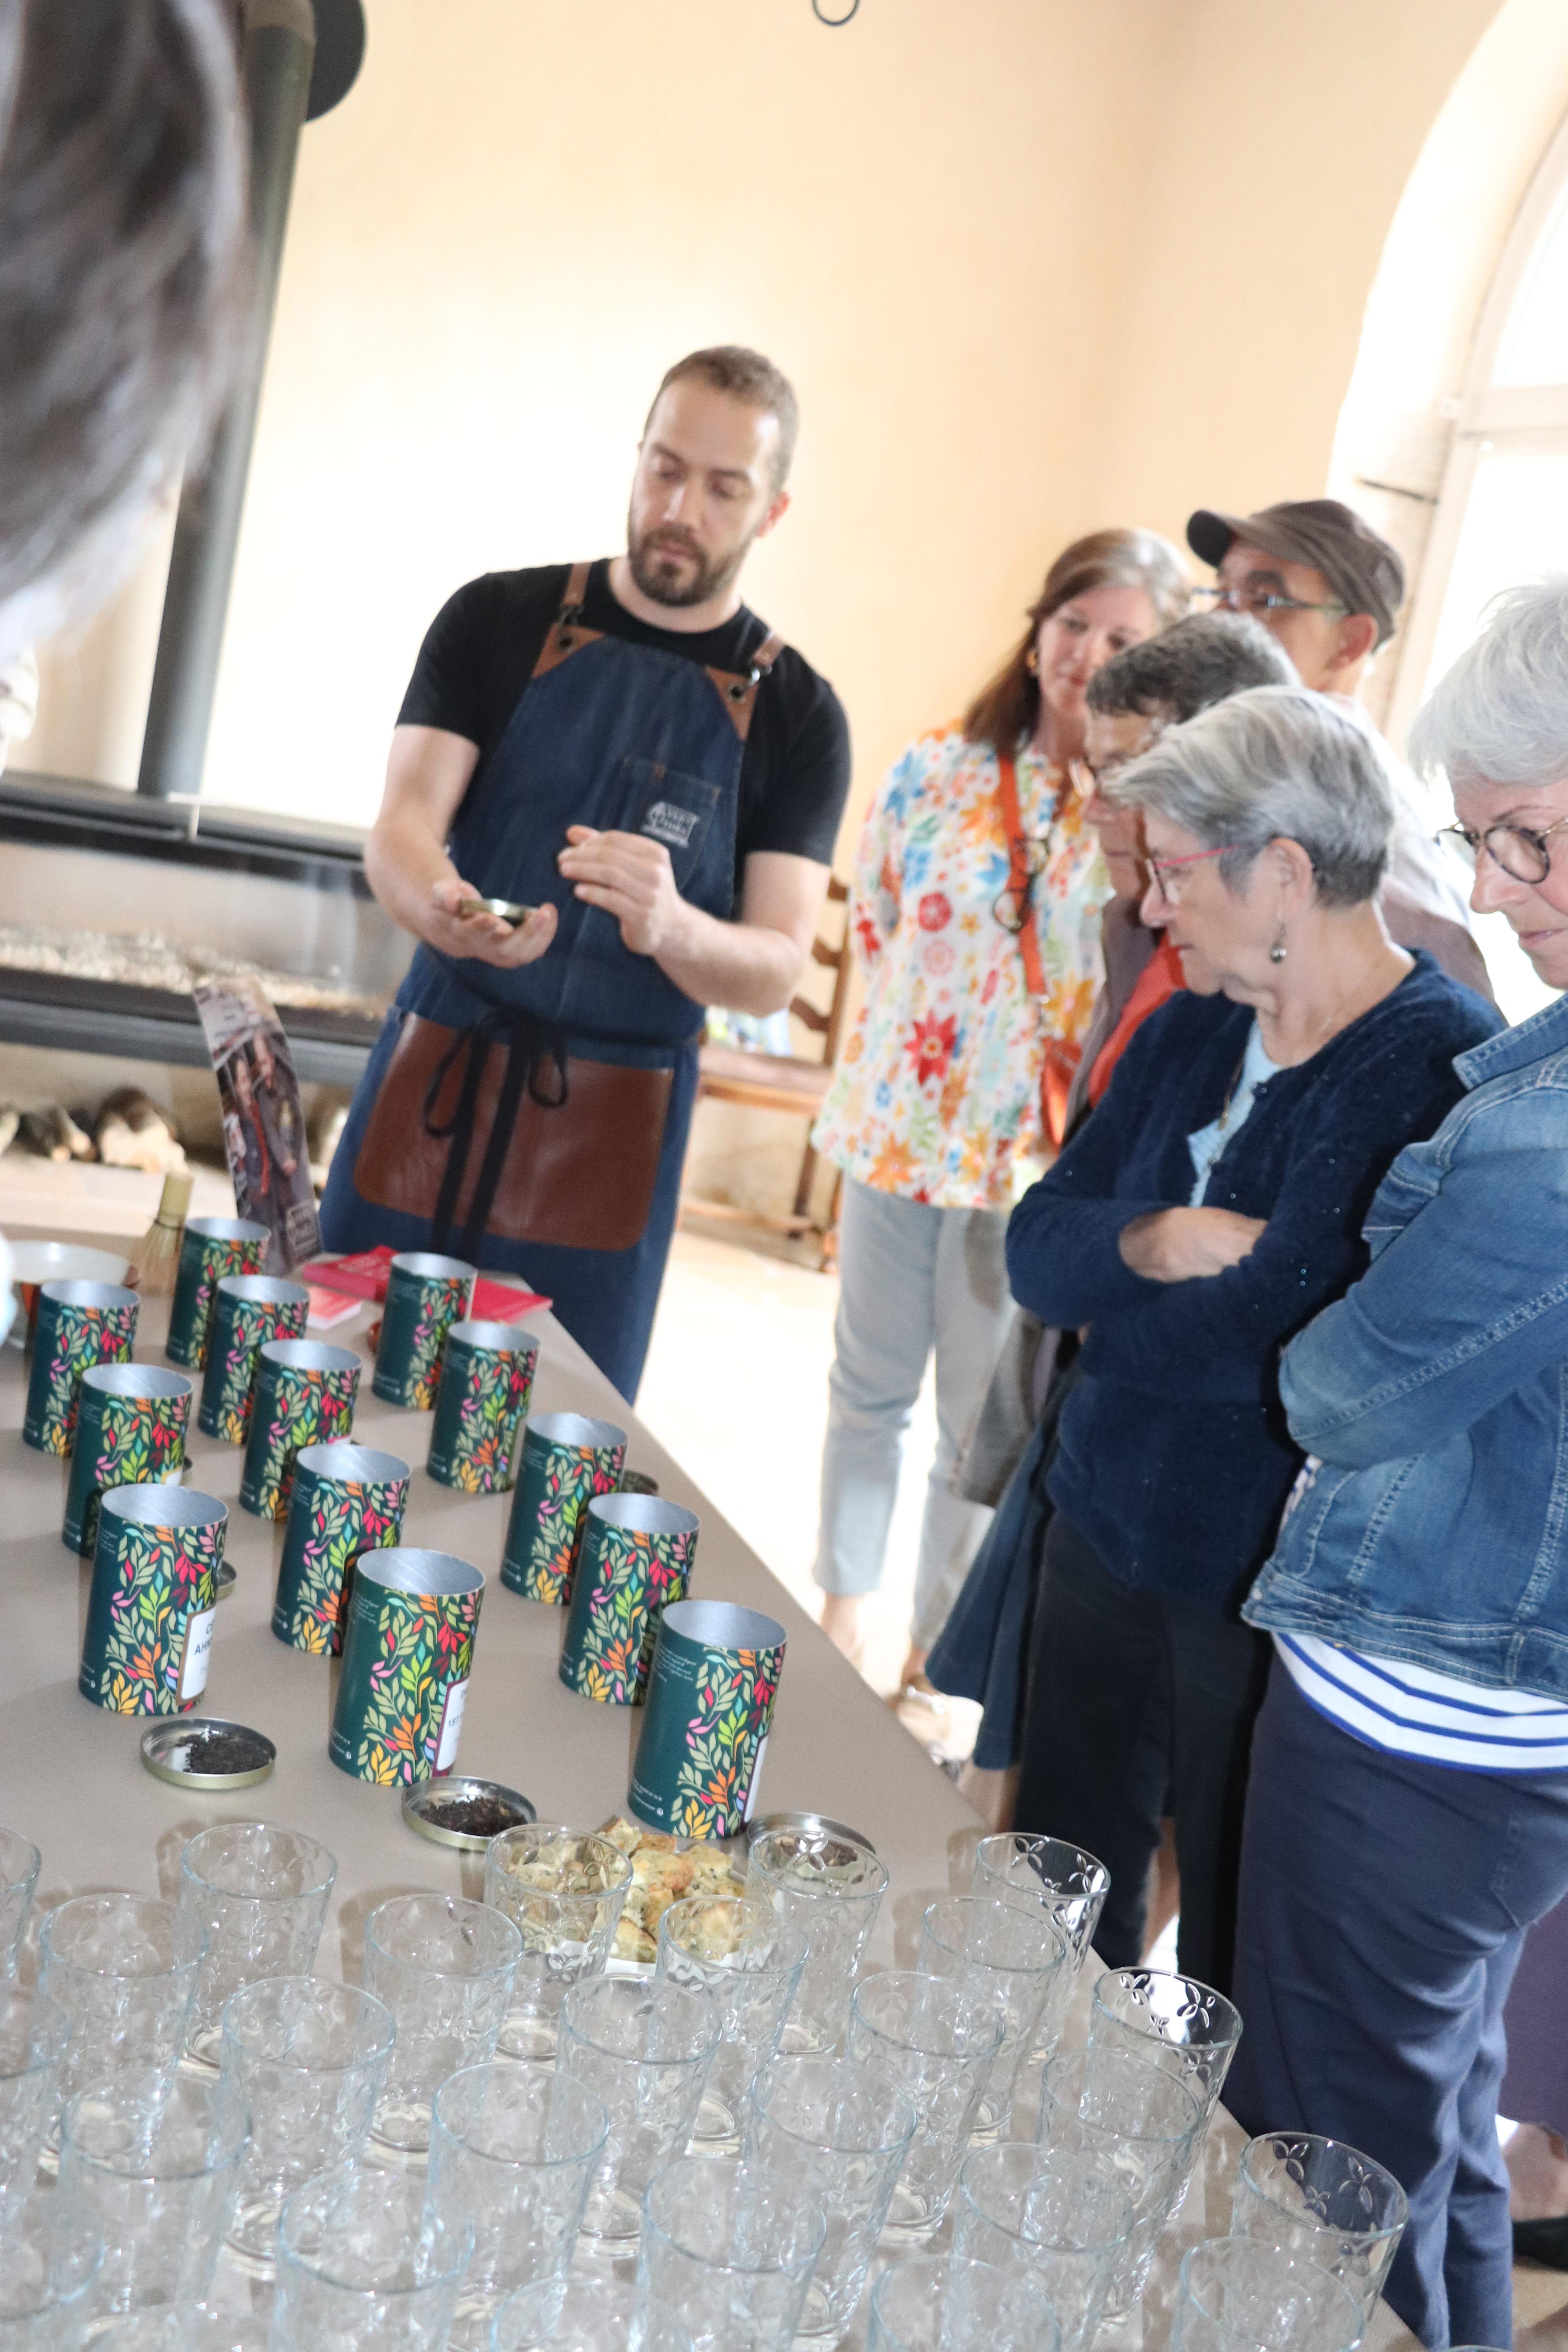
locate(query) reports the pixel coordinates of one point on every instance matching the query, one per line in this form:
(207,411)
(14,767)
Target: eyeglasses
(1013,902)
(1262,602)
(1520,853)
(1163,870)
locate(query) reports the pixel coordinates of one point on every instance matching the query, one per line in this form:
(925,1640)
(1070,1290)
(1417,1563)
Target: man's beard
(659,580)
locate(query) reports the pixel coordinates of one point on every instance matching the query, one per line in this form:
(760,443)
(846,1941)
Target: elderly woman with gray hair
(1408,1818)
(1211,1204)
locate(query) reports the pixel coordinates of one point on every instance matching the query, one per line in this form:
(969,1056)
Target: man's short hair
(747,376)
(121,178)
(1189,667)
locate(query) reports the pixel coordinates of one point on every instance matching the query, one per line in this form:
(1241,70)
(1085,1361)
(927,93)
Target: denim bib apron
(624,738)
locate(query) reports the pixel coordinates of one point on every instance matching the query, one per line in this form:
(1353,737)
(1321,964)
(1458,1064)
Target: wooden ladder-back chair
(788,1081)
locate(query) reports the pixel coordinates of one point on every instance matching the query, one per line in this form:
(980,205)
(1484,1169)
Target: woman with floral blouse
(976,918)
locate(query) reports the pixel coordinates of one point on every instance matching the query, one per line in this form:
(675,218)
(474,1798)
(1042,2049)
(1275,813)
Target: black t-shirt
(479,655)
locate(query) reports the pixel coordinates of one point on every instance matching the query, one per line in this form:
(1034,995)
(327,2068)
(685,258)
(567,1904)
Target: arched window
(1502,513)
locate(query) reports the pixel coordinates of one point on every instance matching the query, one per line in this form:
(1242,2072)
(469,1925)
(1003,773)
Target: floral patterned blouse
(937,1095)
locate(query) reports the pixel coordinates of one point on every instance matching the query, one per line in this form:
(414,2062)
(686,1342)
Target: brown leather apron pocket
(578,1175)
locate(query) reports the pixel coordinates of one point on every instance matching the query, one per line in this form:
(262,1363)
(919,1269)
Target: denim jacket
(1432,1524)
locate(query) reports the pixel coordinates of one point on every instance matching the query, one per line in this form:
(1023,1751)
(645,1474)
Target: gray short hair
(1501,713)
(121,180)
(1187,668)
(1276,763)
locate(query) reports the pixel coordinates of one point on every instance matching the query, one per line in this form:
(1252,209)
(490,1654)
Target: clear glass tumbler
(154,2161)
(1145,2124)
(364,2266)
(49,2262)
(20,1863)
(831,1886)
(938,2041)
(182,2328)
(261,1894)
(1060,2215)
(444,1969)
(310,2058)
(33,2036)
(748,1960)
(565,1890)
(1237,2295)
(1071,1884)
(514,2149)
(842,2131)
(124,1969)
(1011,1953)
(941,2302)
(581,2313)
(1324,2202)
(1173,2020)
(731,2247)
(645,2048)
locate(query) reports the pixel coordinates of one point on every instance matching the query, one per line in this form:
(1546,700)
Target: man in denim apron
(626,749)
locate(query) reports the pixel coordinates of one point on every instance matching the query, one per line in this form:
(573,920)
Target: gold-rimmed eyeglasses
(1521,851)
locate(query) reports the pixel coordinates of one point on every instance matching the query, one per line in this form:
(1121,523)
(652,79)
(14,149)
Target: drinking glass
(579,2314)
(1175,2020)
(182,2328)
(310,2059)
(153,2160)
(1071,1884)
(1061,2217)
(261,1895)
(645,2048)
(731,2246)
(939,2041)
(1328,2204)
(748,1960)
(942,2302)
(20,1863)
(513,2149)
(1237,2295)
(444,1967)
(843,2132)
(831,1886)
(1144,2122)
(563,1892)
(364,2266)
(124,1969)
(1012,1954)
(33,2036)
(49,2261)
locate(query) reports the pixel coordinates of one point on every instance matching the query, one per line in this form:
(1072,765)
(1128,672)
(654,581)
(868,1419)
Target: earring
(1277,952)
(1031,662)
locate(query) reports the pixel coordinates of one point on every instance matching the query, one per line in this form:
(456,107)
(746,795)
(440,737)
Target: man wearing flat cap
(1329,588)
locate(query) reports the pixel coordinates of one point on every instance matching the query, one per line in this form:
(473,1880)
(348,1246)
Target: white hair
(1276,763)
(1500,714)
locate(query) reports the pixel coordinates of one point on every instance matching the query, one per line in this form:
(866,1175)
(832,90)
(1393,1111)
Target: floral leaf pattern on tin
(635,1576)
(731,1708)
(142,1443)
(191,1315)
(441,1304)
(81,1337)
(542,1551)
(343,1522)
(306,1406)
(164,1575)
(229,1389)
(425,1644)
(496,1391)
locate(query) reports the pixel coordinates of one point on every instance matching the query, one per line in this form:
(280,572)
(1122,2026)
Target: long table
(71,1777)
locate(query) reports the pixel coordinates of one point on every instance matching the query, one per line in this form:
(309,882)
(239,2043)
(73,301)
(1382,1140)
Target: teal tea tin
(565,1459)
(211,1248)
(79,1324)
(347,1499)
(305,1395)
(425,1297)
(152,1601)
(487,1380)
(247,1310)
(131,1432)
(408,1648)
(634,1559)
(709,1707)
